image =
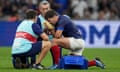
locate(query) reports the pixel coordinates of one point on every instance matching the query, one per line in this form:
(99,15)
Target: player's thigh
(63,42)
(76,46)
(36,48)
(76,43)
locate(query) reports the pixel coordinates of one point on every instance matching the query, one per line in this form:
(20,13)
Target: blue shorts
(36,48)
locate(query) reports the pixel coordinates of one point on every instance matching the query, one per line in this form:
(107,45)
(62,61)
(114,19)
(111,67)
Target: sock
(91,63)
(55,50)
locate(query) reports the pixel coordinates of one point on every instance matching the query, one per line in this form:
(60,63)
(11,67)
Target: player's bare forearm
(44,36)
(58,34)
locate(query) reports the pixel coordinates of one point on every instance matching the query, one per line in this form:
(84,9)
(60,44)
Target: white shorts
(76,46)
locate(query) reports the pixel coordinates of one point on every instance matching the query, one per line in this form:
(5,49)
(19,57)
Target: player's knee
(47,44)
(54,41)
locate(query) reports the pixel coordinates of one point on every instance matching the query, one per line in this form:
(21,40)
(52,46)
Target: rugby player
(68,36)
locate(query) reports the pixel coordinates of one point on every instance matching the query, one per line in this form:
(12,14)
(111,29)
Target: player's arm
(44,36)
(58,34)
(49,28)
(37,30)
(60,29)
(48,25)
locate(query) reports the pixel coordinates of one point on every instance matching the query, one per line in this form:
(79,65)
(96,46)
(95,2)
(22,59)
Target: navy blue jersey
(36,29)
(66,25)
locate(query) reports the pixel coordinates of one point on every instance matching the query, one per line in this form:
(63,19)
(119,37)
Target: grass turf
(110,57)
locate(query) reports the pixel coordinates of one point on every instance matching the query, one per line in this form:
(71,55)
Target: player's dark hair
(31,14)
(50,14)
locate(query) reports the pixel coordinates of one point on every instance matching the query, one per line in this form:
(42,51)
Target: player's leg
(56,54)
(41,48)
(63,42)
(97,62)
(76,46)
(46,45)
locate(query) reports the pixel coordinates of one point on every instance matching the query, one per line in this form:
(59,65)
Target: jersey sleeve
(39,22)
(61,25)
(36,29)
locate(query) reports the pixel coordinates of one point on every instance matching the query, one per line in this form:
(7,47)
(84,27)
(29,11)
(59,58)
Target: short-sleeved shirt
(66,25)
(22,45)
(36,29)
(40,22)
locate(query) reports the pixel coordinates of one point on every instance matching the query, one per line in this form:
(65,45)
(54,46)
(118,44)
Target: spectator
(7,8)
(115,6)
(107,13)
(1,13)
(31,5)
(63,5)
(54,5)
(101,15)
(92,4)
(22,11)
(76,16)
(87,14)
(76,9)
(14,9)
(13,17)
(103,4)
(80,7)
(113,15)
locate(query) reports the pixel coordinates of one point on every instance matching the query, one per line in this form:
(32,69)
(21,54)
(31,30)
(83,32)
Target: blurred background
(97,20)
(12,10)
(83,12)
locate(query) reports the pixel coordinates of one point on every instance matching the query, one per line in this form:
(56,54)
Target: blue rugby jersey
(66,25)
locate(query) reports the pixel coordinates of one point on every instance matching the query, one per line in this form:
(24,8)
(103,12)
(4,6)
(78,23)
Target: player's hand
(48,25)
(49,31)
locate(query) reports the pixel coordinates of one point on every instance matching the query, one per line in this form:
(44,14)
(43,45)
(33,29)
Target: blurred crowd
(13,10)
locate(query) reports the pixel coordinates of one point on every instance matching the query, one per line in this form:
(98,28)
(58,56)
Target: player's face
(53,20)
(44,8)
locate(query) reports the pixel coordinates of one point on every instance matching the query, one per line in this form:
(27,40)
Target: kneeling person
(26,45)
(72,39)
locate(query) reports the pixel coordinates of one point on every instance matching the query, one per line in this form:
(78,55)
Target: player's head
(51,16)
(44,6)
(31,14)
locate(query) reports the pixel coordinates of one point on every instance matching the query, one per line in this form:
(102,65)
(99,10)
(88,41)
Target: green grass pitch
(111,58)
